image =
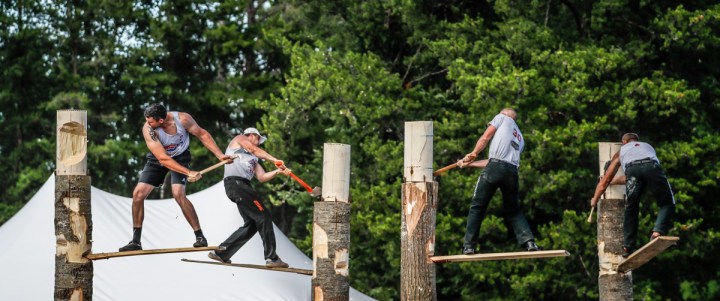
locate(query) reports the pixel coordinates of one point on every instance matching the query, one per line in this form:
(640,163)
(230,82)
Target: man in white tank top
(166,136)
(239,189)
(501,171)
(642,170)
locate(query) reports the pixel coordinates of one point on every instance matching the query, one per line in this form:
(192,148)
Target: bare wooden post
(331,227)
(419,206)
(611,209)
(73,221)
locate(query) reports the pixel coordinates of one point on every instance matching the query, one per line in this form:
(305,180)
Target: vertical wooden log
(73,221)
(613,286)
(419,207)
(331,227)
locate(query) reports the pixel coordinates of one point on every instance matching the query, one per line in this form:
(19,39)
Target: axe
(314,192)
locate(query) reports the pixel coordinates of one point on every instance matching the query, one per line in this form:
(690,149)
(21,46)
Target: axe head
(316,192)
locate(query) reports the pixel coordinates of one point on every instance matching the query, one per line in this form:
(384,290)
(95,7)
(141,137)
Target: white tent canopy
(27,253)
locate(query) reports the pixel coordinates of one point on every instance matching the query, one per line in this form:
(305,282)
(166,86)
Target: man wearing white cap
(240,191)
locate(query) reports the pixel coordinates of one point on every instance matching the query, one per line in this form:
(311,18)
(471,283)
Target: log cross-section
(73,214)
(331,227)
(612,286)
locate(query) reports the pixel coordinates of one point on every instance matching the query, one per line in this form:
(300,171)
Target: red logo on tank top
(171,148)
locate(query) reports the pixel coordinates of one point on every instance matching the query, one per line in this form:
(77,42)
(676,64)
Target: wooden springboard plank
(96,256)
(253,266)
(647,252)
(499,256)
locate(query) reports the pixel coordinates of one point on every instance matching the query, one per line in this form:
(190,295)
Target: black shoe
(627,251)
(215,256)
(131,246)
(200,242)
(468,251)
(530,246)
(277,263)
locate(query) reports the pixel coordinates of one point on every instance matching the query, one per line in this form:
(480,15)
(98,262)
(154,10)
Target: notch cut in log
(254,266)
(499,256)
(97,256)
(647,252)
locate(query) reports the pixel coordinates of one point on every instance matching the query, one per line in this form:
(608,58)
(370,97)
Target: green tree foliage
(310,72)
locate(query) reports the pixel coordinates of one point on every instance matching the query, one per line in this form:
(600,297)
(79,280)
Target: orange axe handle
(307,187)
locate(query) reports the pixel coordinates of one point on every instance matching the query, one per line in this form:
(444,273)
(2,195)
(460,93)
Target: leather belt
(641,161)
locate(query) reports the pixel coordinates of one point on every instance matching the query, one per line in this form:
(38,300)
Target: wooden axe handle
(206,170)
(216,165)
(444,169)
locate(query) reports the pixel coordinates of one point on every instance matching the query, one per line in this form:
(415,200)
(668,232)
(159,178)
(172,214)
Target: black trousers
(257,219)
(640,178)
(497,174)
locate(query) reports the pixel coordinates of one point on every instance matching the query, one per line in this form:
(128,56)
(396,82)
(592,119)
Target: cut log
(97,256)
(499,256)
(254,266)
(647,252)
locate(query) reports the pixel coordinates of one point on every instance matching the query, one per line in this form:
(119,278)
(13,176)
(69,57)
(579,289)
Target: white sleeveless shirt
(174,144)
(243,166)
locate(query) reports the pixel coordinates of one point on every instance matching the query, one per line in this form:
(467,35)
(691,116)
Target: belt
(244,180)
(641,161)
(501,162)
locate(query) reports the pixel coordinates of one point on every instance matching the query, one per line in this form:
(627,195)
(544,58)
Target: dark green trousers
(497,174)
(640,178)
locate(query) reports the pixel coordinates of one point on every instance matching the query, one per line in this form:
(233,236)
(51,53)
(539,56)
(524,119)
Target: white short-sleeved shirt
(636,150)
(508,142)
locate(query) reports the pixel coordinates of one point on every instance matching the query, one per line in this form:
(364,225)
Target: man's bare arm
(606,179)
(244,142)
(263,176)
(207,140)
(480,144)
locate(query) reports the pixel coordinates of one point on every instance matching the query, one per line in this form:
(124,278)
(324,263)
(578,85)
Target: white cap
(255,131)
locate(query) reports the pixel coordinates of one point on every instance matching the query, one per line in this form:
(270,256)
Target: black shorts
(154,173)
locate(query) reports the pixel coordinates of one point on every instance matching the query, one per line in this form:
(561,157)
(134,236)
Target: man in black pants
(642,169)
(167,136)
(238,188)
(501,172)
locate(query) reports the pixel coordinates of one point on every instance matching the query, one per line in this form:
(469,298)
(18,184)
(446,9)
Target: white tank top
(635,150)
(243,166)
(174,144)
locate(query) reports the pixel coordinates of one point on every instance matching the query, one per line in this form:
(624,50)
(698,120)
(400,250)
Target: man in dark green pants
(501,172)
(642,170)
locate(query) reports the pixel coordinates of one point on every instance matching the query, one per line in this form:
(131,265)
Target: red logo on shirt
(517,135)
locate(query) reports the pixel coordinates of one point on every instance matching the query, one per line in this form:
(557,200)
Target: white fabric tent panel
(27,254)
